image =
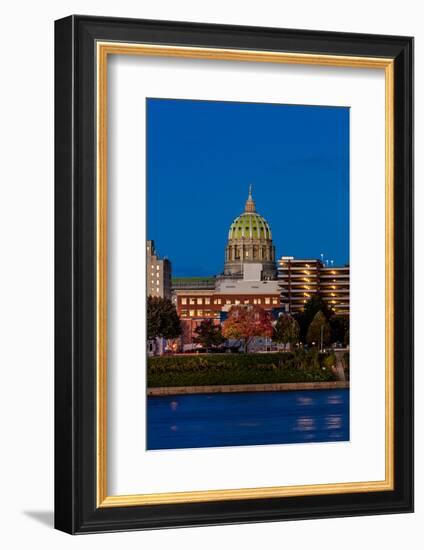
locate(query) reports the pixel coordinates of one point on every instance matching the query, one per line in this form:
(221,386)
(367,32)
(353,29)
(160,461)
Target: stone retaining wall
(237,388)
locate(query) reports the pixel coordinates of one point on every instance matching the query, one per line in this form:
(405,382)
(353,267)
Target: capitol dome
(250,225)
(250,241)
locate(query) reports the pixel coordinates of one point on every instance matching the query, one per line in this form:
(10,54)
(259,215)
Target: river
(256,418)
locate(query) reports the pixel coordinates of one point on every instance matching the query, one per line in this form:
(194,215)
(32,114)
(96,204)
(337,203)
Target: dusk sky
(202,156)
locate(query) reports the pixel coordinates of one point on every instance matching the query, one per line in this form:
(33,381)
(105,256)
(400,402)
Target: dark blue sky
(202,156)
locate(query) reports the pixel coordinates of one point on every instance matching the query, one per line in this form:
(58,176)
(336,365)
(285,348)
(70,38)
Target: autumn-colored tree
(286,330)
(244,323)
(162,319)
(209,334)
(319,330)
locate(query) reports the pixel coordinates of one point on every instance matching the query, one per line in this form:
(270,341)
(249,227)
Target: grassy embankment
(223,369)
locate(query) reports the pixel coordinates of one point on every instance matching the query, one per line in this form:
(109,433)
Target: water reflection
(334,399)
(305,424)
(334,421)
(216,420)
(302,400)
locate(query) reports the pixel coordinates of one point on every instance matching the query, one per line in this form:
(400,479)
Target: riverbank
(246,388)
(225,369)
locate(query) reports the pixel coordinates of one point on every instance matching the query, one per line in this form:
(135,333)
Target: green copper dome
(250,224)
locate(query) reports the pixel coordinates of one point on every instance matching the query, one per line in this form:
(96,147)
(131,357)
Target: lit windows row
(196,313)
(193,301)
(219,301)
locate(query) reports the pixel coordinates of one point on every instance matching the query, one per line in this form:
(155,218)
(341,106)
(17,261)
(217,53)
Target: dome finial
(250,204)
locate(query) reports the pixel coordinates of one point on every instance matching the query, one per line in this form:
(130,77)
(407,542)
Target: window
(237,302)
(183,313)
(246,301)
(192,301)
(274,301)
(217,301)
(191,312)
(267,300)
(228,302)
(184,301)
(207,301)
(200,312)
(200,301)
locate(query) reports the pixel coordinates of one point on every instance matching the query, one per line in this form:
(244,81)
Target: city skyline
(203,155)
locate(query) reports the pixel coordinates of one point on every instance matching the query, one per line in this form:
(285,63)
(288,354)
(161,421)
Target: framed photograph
(234,274)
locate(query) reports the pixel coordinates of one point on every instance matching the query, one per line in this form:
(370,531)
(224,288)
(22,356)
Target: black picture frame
(76,510)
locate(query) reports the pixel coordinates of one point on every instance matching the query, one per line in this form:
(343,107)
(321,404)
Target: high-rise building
(158,273)
(301,278)
(334,288)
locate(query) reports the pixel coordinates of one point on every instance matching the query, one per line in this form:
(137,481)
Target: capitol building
(252,276)
(250,242)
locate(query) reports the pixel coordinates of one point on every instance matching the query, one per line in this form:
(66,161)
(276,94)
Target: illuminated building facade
(158,273)
(301,278)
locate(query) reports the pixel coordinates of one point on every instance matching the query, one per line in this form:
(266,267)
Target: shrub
(330,360)
(217,369)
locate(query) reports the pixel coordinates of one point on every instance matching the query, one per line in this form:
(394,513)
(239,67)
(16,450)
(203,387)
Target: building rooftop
(193,283)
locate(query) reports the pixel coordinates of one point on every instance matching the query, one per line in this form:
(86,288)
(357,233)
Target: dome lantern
(250,204)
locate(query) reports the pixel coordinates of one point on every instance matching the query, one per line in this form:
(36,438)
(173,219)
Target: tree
(209,334)
(339,326)
(286,330)
(319,330)
(346,338)
(247,322)
(313,305)
(162,319)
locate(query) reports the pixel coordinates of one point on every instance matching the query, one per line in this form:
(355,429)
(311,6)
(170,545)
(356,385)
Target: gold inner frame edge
(103,49)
